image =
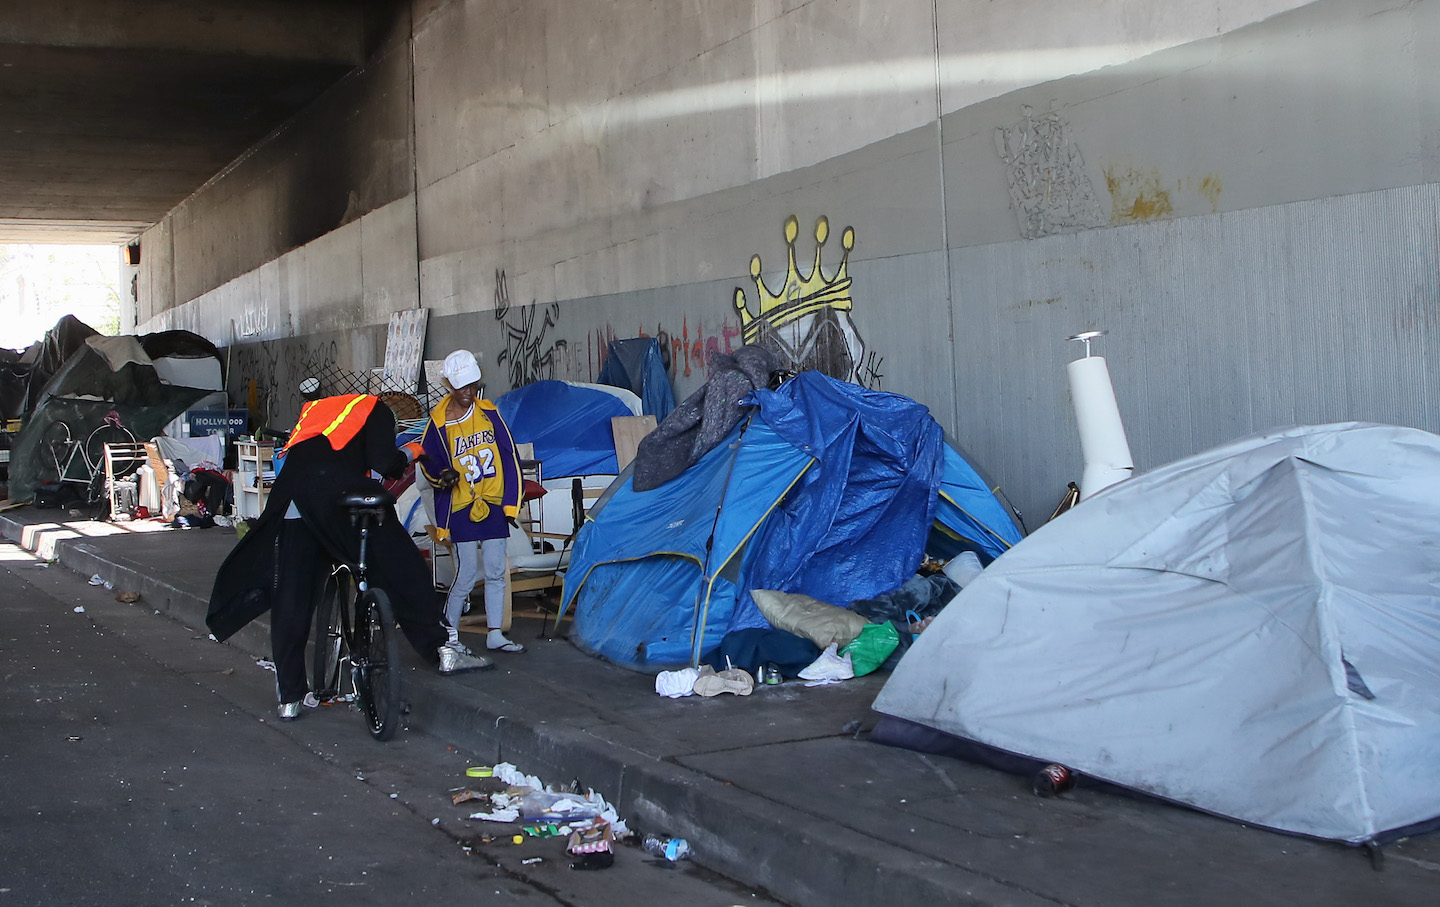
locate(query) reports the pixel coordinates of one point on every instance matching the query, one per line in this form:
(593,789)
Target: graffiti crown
(798,296)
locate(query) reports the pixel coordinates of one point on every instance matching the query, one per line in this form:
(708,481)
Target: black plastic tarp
(105,375)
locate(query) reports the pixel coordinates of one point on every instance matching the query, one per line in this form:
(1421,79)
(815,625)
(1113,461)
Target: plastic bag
(545,805)
(872,647)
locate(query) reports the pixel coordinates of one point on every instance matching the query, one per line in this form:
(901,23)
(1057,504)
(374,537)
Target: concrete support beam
(315,31)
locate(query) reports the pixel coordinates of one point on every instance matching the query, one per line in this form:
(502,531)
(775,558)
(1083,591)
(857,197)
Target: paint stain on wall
(1136,197)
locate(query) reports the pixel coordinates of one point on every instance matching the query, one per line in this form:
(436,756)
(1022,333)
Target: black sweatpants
(303,566)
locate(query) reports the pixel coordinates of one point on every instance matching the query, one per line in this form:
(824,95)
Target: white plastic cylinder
(1103,445)
(148,491)
(963,568)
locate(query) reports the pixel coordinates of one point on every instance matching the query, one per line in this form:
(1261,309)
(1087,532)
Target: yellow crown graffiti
(800,296)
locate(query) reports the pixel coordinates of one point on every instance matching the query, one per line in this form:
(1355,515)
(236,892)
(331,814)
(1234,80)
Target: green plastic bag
(872,647)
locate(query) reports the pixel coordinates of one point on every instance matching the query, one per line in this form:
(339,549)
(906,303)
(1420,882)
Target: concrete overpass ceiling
(112,112)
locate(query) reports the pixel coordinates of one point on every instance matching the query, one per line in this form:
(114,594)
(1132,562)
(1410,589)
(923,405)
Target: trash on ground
(265,663)
(79,609)
(97,580)
(1052,780)
(593,847)
(672,849)
(128,597)
(676,684)
(546,811)
(529,860)
(497,815)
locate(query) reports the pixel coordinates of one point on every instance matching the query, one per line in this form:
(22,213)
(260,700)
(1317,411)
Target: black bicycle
(355,626)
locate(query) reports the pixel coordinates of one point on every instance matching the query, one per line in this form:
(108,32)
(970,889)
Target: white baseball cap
(461,369)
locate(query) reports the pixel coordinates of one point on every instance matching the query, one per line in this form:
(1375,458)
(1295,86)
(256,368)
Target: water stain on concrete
(1136,197)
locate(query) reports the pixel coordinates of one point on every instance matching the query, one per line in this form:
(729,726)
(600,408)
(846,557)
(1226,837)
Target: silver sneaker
(288,711)
(453,661)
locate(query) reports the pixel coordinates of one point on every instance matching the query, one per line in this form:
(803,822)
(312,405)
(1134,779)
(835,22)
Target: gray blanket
(704,418)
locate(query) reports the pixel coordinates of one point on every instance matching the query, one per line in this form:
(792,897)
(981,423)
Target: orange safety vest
(338,419)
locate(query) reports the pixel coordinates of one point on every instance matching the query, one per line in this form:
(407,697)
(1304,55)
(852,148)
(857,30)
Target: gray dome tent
(1253,631)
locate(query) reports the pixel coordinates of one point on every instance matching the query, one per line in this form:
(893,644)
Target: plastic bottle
(672,849)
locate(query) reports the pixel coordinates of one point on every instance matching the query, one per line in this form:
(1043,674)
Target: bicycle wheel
(375,663)
(335,597)
(58,447)
(94,450)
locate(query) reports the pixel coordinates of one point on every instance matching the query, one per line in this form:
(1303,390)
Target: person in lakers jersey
(470,460)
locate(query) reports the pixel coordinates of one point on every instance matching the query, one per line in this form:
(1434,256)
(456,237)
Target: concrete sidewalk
(778,790)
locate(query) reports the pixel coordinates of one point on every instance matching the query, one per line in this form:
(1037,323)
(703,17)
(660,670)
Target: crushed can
(1053,780)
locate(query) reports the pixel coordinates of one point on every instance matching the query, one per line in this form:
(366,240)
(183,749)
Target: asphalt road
(141,764)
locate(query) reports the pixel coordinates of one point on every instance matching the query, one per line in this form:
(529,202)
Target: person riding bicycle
(281,563)
(471,462)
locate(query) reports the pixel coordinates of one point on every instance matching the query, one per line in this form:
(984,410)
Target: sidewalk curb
(795,856)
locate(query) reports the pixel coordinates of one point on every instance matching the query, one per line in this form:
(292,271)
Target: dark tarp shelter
(23,376)
(146,381)
(637,365)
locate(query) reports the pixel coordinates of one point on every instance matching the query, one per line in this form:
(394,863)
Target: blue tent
(970,515)
(826,488)
(569,426)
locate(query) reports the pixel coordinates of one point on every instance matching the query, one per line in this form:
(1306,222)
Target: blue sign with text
(204,422)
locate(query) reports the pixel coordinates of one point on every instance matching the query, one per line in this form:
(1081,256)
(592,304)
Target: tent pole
(702,613)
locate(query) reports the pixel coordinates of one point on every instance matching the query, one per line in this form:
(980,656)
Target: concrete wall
(1232,189)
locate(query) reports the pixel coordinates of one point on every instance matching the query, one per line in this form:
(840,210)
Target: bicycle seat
(367,500)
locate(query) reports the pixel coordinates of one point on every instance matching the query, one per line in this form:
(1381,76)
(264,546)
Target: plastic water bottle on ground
(672,849)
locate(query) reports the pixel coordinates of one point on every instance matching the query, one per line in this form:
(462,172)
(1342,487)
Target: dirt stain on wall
(1136,197)
(1210,188)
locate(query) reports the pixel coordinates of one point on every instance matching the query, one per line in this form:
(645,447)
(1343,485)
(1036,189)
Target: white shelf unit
(253,461)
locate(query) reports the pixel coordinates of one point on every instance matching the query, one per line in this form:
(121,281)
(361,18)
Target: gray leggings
(467,574)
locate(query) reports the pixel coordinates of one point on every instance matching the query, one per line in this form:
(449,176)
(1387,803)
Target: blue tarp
(569,426)
(827,489)
(636,364)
